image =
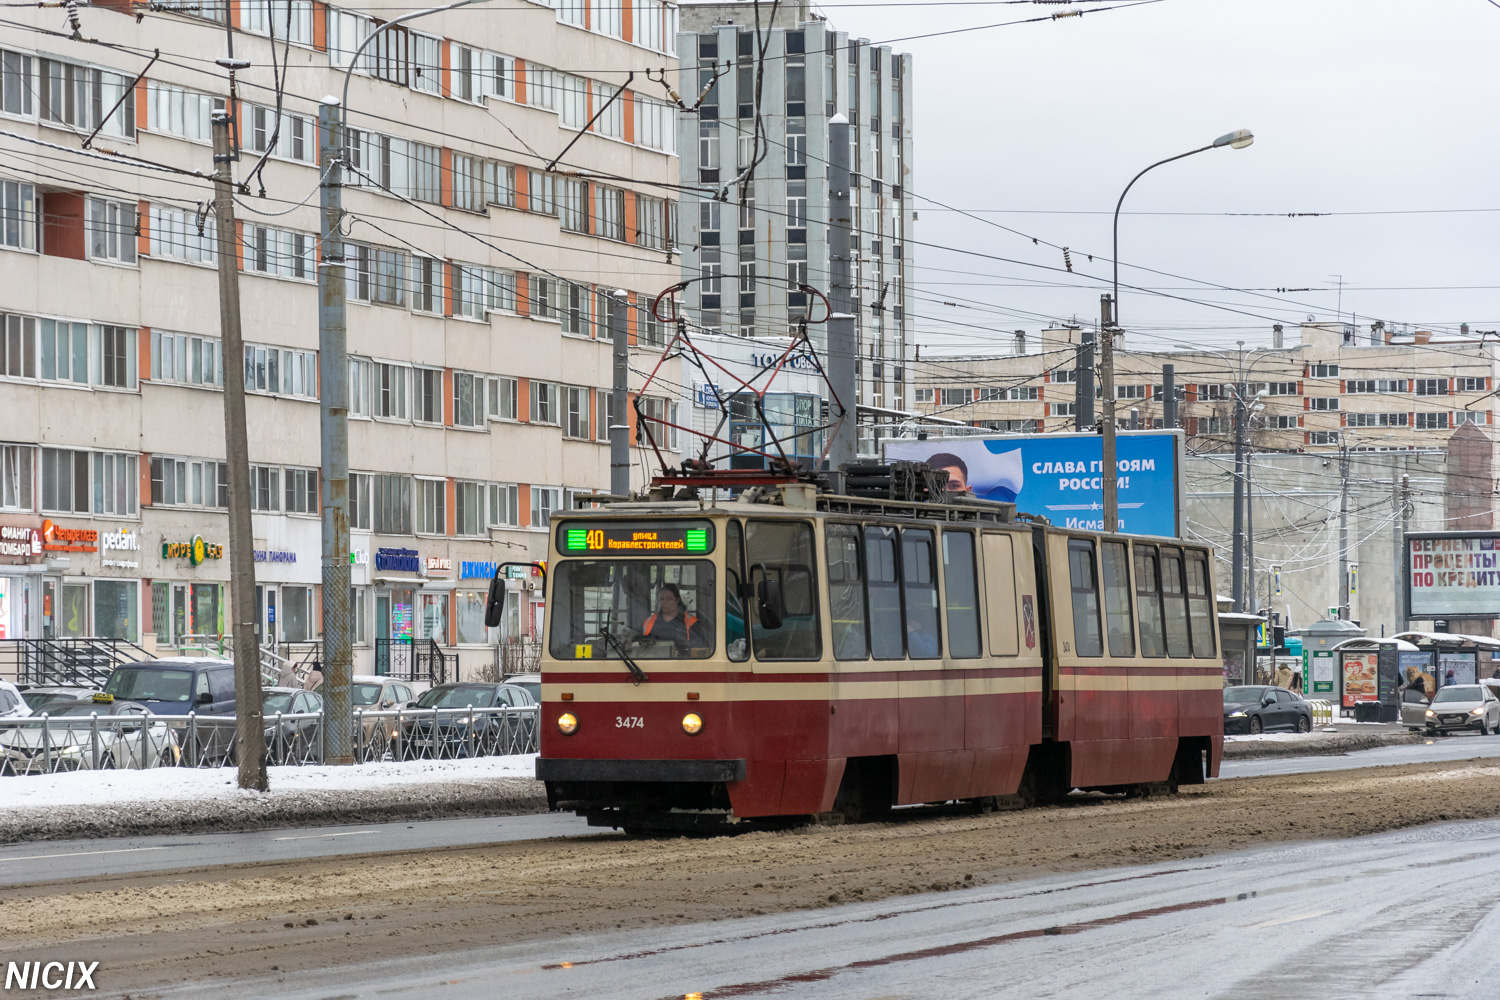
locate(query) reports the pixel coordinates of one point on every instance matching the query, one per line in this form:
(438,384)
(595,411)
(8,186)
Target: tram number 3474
(629,722)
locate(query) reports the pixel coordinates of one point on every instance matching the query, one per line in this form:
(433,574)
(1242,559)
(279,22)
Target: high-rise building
(503,178)
(754,212)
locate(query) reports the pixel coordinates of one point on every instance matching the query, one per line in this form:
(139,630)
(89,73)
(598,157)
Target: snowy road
(1390,916)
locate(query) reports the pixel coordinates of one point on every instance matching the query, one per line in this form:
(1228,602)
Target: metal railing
(83,661)
(422,660)
(44,745)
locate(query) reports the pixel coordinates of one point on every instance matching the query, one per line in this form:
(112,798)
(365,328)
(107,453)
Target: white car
(134,737)
(12,705)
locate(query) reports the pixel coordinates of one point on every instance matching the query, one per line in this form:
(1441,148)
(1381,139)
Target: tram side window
(783,551)
(884,589)
(1148,601)
(1200,604)
(1117,600)
(1174,603)
(734,594)
(846,593)
(1085,584)
(960,594)
(919,579)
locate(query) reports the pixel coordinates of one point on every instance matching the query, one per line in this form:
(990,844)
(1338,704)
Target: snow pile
(158,786)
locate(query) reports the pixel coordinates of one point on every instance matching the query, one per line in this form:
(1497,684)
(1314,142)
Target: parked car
(1255,708)
(1414,703)
(374,694)
(531,682)
(176,685)
(298,738)
(450,735)
(38,698)
(69,741)
(12,704)
(1461,707)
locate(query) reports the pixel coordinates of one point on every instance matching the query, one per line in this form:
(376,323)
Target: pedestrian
(1296,685)
(1283,676)
(1450,678)
(1496,674)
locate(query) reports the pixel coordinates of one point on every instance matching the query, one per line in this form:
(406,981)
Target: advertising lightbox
(1453,574)
(1057,476)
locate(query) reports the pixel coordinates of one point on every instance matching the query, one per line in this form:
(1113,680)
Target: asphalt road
(69,859)
(1414,913)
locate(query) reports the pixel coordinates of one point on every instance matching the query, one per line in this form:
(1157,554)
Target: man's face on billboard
(956,481)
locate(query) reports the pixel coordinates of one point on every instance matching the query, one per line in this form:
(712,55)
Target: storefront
(89,584)
(189,590)
(21,601)
(288,578)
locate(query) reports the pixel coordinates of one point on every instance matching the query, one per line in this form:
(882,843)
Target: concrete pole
(1110,471)
(1169,397)
(250,731)
(619,428)
(1083,383)
(1237,566)
(1343,531)
(338,712)
(1403,619)
(843,346)
(1398,584)
(1250,598)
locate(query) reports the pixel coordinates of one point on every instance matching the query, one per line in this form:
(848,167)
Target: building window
(1281,388)
(281,19)
(609,212)
(576,417)
(505,505)
(17,212)
(502,398)
(541,192)
(477,291)
(1468,384)
(181,235)
(1432,421)
(111,230)
(1431,386)
(923,395)
(611,112)
(1323,437)
(280,253)
(468,400)
(604,413)
(301,491)
(280,371)
(544,500)
(468,183)
(1323,371)
(572,100)
(16,466)
(1284,422)
(427,395)
(609,17)
(295,138)
(577,318)
(79,96)
(390,504)
(543,402)
(655,124)
(17,87)
(1323,403)
(265,488)
(573,205)
(389,395)
(468,508)
(186,359)
(1465,417)
(183,113)
(1131,391)
(185,482)
(431,516)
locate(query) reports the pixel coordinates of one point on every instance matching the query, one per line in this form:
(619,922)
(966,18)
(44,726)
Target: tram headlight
(567,723)
(691,723)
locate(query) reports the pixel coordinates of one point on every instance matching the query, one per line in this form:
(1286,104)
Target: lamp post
(1238,139)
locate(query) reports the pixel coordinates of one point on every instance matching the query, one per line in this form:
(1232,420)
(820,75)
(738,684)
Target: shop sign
(195,551)
(274,556)
(123,540)
(359,557)
(439,564)
(20,543)
(471,569)
(398,560)
(59,539)
(797,362)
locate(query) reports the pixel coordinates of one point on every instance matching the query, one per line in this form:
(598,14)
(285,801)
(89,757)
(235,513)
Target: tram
(795,652)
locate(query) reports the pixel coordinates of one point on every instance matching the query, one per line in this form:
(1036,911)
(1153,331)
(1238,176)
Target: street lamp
(1238,139)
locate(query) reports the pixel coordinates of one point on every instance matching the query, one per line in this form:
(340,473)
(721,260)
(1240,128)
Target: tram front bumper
(574,769)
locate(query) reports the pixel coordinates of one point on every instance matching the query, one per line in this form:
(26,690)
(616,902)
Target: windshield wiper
(635,668)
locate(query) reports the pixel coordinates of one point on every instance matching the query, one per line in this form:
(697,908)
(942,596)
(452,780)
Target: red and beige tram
(793,653)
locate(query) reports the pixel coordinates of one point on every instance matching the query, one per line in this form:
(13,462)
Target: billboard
(1056,476)
(1453,574)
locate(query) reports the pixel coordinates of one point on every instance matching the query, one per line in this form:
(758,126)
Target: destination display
(635,539)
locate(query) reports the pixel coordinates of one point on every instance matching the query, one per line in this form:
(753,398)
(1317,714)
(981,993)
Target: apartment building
(759,142)
(478,313)
(1337,388)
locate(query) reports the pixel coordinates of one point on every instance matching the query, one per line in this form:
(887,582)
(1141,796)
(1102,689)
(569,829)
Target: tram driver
(672,623)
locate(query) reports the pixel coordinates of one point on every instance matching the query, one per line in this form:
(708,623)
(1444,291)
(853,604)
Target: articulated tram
(793,652)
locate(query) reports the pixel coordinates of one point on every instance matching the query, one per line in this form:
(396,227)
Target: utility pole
(1169,397)
(619,428)
(250,732)
(1083,383)
(1250,598)
(1109,471)
(1343,530)
(338,712)
(1398,577)
(1403,617)
(843,346)
(1238,563)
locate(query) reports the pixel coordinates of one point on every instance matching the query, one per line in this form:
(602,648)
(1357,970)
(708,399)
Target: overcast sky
(1357,106)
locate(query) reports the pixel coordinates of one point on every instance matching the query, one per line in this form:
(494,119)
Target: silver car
(132,736)
(1461,707)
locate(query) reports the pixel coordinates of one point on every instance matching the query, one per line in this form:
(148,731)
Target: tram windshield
(654,609)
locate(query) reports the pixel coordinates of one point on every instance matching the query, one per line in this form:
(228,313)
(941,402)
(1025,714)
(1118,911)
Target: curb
(439,800)
(1318,745)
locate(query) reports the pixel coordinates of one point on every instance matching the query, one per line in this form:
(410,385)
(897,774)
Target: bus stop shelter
(1442,658)
(1237,642)
(1368,675)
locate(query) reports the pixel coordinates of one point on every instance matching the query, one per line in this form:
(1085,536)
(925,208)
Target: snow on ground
(187,784)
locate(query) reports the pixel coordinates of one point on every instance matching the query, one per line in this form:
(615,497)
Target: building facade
(478,286)
(1336,388)
(755,175)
